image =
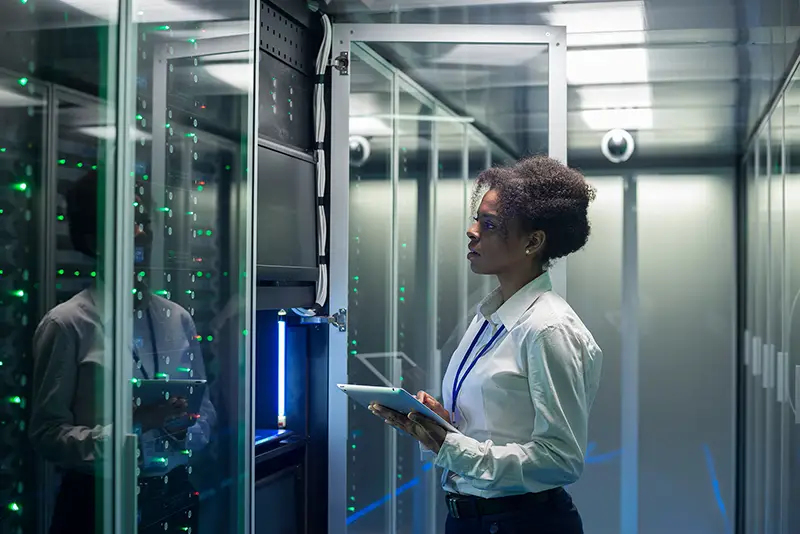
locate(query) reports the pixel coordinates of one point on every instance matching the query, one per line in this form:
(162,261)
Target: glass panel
(24,112)
(792,304)
(411,291)
(372,297)
(594,283)
(752,223)
(191,141)
(480,80)
(693,350)
(775,229)
(56,158)
(761,328)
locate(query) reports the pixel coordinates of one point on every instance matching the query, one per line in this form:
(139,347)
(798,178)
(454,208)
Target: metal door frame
(343,36)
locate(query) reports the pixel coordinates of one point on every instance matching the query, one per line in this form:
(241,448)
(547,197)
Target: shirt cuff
(457,453)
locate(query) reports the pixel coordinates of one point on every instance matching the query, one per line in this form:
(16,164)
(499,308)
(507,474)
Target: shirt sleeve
(554,456)
(53,431)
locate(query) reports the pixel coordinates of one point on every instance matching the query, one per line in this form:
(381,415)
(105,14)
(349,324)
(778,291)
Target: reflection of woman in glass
(521,384)
(73,367)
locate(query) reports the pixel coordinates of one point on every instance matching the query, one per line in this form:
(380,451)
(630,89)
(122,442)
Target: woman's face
(493,250)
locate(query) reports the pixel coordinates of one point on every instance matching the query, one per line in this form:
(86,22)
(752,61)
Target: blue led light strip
(281,373)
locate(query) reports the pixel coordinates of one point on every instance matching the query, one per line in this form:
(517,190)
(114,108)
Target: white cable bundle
(320,127)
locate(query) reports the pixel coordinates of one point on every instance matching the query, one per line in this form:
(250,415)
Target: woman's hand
(424,430)
(433,404)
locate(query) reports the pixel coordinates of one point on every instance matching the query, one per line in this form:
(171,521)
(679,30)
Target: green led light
(355,290)
(402,299)
(351,509)
(160,460)
(14,507)
(133,291)
(62,162)
(145,177)
(18,293)
(186,451)
(199,187)
(15,400)
(163,28)
(139,117)
(60,217)
(210,338)
(225,273)
(80,165)
(353,352)
(134,381)
(135,204)
(208,233)
(184,369)
(227,167)
(22,186)
(77,273)
(3,149)
(162,375)
(93,274)
(1,211)
(353,446)
(61,271)
(94,167)
(354,342)
(353,499)
(189,213)
(23,81)
(188,291)
(199,273)
(399,476)
(1,272)
(404,245)
(164,209)
(355,278)
(402,289)
(244,332)
(161,292)
(142,274)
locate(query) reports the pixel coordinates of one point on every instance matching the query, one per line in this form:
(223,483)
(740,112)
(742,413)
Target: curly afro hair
(540,193)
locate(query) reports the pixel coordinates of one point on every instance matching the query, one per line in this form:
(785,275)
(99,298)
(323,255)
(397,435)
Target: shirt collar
(494,310)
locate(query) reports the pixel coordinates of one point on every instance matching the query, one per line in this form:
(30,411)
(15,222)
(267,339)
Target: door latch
(342,63)
(338,320)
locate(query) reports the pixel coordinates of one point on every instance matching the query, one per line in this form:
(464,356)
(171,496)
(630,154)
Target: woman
(522,381)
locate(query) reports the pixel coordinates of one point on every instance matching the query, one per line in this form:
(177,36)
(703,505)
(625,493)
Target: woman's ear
(536,243)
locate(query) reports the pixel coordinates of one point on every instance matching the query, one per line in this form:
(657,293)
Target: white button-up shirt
(523,410)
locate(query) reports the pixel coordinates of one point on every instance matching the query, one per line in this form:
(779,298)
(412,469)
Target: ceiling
(688,78)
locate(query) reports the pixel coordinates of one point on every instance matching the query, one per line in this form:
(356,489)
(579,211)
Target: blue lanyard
(456,384)
(155,348)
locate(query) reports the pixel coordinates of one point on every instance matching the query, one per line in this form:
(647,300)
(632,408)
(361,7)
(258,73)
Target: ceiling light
(110,133)
(144,11)
(238,75)
(491,55)
(369,127)
(601,17)
(626,119)
(13,99)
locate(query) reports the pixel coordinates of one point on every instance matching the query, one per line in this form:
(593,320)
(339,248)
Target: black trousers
(556,515)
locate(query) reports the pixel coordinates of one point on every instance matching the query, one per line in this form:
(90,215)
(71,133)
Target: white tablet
(396,399)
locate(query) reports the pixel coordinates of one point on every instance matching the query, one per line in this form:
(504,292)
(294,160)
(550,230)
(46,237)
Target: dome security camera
(360,150)
(617,146)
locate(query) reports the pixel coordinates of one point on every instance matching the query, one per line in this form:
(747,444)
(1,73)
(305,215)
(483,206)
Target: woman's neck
(510,283)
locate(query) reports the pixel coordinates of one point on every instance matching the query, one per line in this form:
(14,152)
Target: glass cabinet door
(190,139)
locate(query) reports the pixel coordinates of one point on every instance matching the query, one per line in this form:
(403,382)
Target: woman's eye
(488,225)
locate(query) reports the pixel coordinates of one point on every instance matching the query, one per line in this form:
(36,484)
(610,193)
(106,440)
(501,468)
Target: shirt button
(494,529)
